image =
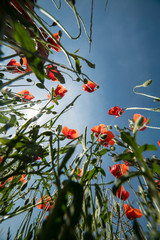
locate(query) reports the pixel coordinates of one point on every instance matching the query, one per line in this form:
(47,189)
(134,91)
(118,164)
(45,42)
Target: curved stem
(143,94)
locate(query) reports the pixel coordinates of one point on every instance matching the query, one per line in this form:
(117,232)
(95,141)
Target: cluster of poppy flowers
(103,136)
(22,179)
(118,170)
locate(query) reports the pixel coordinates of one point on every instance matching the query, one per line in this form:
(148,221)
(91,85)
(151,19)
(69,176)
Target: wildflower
(1,159)
(90,86)
(118,170)
(144,124)
(132,213)
(79,172)
(158,143)
(50,72)
(46,203)
(117,111)
(25,95)
(13,66)
(70,133)
(2,185)
(53,44)
(126,163)
(60,90)
(22,179)
(122,194)
(18,7)
(157,182)
(25,63)
(103,136)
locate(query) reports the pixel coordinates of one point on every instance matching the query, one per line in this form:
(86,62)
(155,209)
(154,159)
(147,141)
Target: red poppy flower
(60,90)
(118,170)
(79,172)
(70,133)
(126,163)
(157,182)
(22,179)
(90,86)
(1,159)
(25,63)
(103,136)
(50,72)
(10,179)
(158,143)
(25,95)
(117,111)
(46,203)
(18,7)
(53,43)
(13,65)
(2,185)
(132,213)
(144,124)
(122,194)
(43,32)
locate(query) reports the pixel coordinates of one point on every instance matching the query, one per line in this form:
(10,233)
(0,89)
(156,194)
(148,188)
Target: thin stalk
(93,209)
(143,94)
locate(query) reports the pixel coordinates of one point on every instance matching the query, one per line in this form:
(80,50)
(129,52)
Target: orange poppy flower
(118,170)
(144,124)
(103,136)
(50,72)
(25,95)
(46,203)
(70,133)
(53,43)
(132,213)
(122,194)
(13,65)
(117,111)
(90,86)
(158,143)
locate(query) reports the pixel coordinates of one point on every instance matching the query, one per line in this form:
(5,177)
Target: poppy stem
(141,108)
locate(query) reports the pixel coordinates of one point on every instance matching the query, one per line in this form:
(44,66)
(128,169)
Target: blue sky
(126,51)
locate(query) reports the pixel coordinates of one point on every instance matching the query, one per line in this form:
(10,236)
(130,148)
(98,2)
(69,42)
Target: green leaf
(59,77)
(93,173)
(3,119)
(137,231)
(123,156)
(23,38)
(127,138)
(91,65)
(67,157)
(147,147)
(40,85)
(102,152)
(99,195)
(78,66)
(10,123)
